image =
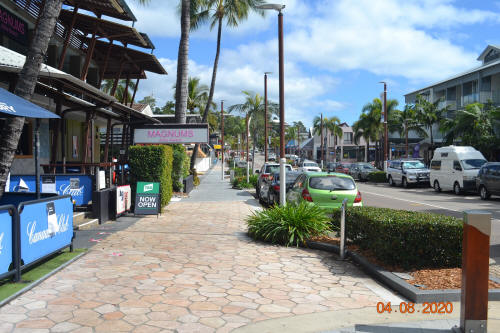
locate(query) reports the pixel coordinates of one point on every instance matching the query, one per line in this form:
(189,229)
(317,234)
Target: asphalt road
(425,199)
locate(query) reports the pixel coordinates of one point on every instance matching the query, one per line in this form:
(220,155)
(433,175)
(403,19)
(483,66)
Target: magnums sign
(13,26)
(172,133)
(147,198)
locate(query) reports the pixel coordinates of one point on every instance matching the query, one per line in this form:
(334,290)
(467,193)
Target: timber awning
(103,28)
(113,8)
(131,62)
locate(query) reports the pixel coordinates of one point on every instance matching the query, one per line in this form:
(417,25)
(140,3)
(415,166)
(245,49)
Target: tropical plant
(119,94)
(333,127)
(288,225)
(428,114)
(26,82)
(233,12)
(473,126)
(181,91)
(405,121)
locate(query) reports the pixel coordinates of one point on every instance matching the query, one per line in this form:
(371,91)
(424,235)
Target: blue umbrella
(15,106)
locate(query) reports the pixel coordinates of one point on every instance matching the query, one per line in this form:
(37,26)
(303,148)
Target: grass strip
(8,288)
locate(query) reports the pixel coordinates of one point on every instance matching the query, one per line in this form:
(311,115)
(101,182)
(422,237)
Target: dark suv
(488,180)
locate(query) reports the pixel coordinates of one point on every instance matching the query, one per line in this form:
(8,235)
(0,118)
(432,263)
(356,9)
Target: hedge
(377,177)
(152,164)
(179,170)
(405,238)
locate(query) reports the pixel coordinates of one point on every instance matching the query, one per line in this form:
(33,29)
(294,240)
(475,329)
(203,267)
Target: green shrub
(152,164)
(253,180)
(241,182)
(288,225)
(407,239)
(377,177)
(196,179)
(178,166)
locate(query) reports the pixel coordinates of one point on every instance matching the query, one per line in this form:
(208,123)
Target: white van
(455,168)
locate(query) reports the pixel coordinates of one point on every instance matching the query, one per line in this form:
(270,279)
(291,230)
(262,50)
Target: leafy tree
(233,12)
(428,114)
(332,124)
(107,87)
(25,86)
(406,121)
(168,108)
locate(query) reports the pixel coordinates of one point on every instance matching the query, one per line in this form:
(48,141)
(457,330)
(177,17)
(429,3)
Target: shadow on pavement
(393,329)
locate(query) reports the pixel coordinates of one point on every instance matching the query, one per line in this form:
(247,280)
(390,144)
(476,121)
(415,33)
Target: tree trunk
(212,85)
(367,149)
(25,86)
(181,91)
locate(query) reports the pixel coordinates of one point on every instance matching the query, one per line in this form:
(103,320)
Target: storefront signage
(78,186)
(147,198)
(13,26)
(46,226)
(5,240)
(217,146)
(164,134)
(123,198)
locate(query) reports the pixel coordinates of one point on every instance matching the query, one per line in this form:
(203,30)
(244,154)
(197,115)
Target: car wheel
(457,189)
(436,186)
(391,181)
(483,192)
(404,183)
(269,200)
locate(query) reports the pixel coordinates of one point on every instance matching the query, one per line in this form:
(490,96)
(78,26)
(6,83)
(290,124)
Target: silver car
(406,172)
(361,170)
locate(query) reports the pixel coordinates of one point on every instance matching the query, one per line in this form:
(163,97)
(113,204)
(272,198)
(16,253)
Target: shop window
(25,145)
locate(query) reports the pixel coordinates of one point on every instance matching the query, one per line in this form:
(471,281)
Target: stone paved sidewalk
(191,270)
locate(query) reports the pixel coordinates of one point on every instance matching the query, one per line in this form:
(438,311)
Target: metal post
(386,139)
(321,140)
(222,135)
(475,266)
(282,111)
(342,229)
(248,164)
(406,129)
(265,117)
(37,157)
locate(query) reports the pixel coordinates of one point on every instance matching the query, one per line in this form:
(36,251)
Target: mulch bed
(424,279)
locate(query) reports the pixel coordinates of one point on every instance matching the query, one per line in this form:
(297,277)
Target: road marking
(412,201)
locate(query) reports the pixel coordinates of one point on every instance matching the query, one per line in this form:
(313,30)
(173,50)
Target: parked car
(327,190)
(361,170)
(266,171)
(271,157)
(406,172)
(488,180)
(343,167)
(331,166)
(270,189)
(455,168)
(309,166)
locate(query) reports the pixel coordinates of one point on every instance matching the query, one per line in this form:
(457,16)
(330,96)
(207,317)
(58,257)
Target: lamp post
(222,134)
(248,119)
(322,155)
(279,8)
(265,117)
(386,139)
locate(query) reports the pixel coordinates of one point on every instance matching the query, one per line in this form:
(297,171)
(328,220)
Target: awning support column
(90,53)
(56,131)
(105,66)
(125,92)
(106,145)
(37,157)
(135,91)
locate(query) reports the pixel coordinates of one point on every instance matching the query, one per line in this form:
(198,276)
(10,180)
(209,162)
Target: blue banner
(6,233)
(46,226)
(78,186)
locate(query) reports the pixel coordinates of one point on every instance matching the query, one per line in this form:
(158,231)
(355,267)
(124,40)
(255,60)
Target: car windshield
(332,183)
(311,164)
(290,176)
(345,165)
(473,163)
(276,168)
(368,166)
(413,165)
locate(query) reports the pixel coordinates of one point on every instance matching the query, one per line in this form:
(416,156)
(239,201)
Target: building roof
(105,29)
(113,8)
(470,71)
(135,62)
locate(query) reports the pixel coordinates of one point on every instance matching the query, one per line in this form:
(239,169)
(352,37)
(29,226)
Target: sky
(336,51)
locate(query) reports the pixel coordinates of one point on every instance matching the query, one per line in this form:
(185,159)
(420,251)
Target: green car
(327,190)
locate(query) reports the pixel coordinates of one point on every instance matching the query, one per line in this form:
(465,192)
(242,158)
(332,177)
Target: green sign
(147,198)
(148,188)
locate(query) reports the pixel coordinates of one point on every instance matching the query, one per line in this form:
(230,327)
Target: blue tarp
(16,106)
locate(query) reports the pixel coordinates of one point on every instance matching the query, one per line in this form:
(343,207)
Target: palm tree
(332,125)
(234,12)
(107,86)
(318,129)
(197,94)
(25,86)
(406,121)
(181,91)
(429,114)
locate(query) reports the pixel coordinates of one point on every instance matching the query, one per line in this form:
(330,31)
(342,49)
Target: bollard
(342,229)
(475,265)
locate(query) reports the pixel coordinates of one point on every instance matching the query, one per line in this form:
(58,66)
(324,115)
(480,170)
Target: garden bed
(423,279)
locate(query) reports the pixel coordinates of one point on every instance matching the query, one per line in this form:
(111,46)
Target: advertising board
(6,233)
(13,26)
(174,133)
(147,198)
(123,198)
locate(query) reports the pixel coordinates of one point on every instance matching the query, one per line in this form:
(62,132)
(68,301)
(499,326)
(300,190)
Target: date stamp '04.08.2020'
(425,308)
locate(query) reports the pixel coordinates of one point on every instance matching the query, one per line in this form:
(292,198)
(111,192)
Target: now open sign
(147,198)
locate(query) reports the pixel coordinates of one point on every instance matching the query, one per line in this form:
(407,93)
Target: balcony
(469,99)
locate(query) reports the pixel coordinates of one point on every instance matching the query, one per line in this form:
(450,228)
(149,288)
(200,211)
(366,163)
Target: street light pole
(322,141)
(406,130)
(386,139)
(248,164)
(222,134)
(265,117)
(279,8)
